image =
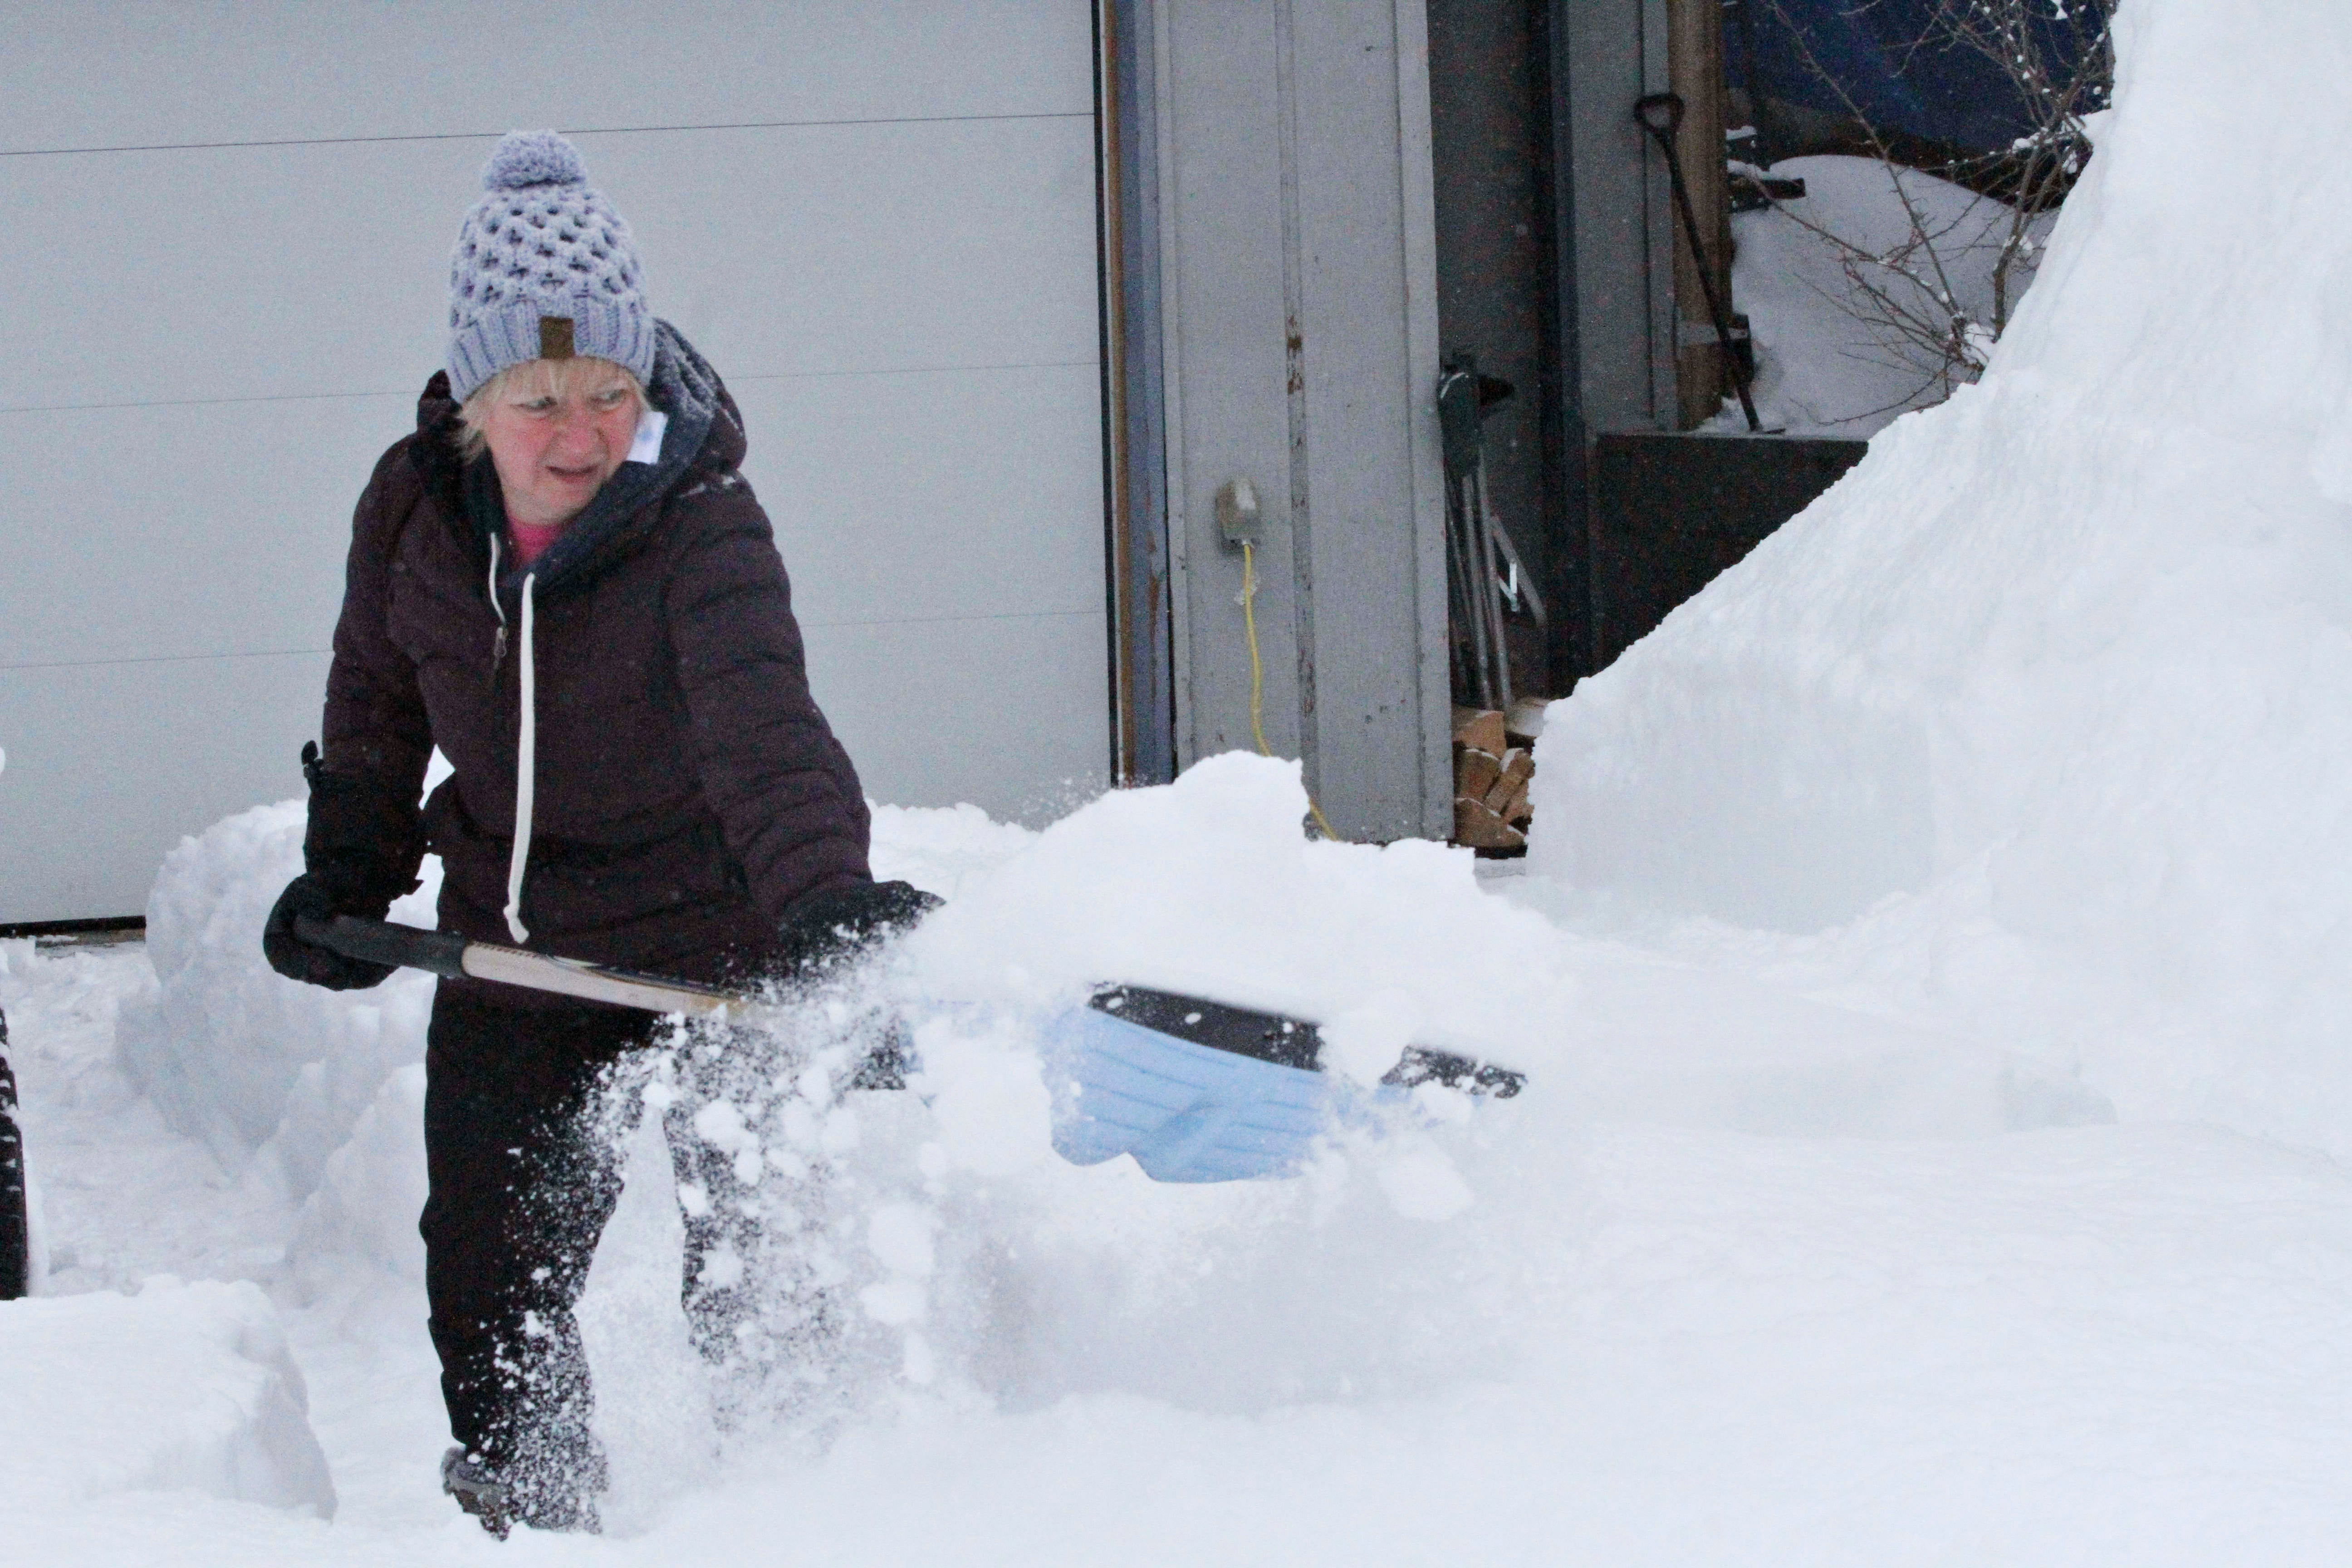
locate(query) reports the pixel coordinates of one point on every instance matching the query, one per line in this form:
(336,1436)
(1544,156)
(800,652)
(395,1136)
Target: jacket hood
(704,441)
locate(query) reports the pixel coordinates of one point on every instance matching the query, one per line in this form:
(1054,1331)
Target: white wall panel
(103,73)
(876,218)
(310,271)
(91,804)
(939,494)
(183,530)
(893,691)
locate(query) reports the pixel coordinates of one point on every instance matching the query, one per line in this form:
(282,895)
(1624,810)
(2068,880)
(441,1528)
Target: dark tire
(15,1233)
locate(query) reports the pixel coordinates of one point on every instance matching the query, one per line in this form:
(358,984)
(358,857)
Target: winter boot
(480,1493)
(543,1496)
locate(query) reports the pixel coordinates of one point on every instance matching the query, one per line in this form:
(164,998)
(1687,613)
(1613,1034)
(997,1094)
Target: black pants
(525,1112)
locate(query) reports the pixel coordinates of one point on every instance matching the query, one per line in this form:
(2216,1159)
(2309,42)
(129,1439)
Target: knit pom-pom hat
(544,268)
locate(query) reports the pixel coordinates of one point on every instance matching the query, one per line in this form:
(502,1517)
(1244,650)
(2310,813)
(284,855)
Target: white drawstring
(526,745)
(499,646)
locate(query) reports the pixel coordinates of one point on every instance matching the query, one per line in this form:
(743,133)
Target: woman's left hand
(844,920)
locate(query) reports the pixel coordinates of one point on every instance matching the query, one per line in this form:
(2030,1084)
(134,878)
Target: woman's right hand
(311,895)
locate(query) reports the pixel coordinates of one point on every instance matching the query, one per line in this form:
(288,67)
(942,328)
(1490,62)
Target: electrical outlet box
(1237,513)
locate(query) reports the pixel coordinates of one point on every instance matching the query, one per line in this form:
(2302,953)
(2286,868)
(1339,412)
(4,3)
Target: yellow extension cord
(1258,676)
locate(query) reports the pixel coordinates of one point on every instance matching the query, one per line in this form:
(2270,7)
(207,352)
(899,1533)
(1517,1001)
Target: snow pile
(1829,361)
(983,1290)
(2009,1351)
(179,1386)
(235,1053)
(371,1190)
(2049,702)
(941,850)
(984,1265)
(1511,1332)
(972,1262)
(1208,886)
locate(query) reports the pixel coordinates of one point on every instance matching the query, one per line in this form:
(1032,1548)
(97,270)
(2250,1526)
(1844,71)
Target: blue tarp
(1939,90)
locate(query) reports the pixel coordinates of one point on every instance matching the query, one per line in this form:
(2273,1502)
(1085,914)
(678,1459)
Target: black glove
(840,922)
(360,853)
(314,895)
(364,838)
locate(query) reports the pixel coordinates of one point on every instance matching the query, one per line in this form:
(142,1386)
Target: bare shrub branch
(2057,59)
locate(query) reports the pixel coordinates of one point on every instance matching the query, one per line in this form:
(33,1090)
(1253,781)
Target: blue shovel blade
(1187,1112)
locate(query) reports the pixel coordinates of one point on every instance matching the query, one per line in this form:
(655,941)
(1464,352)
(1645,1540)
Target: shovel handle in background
(1661,114)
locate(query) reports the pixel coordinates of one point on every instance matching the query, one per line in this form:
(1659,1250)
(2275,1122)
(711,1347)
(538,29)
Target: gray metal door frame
(1269,258)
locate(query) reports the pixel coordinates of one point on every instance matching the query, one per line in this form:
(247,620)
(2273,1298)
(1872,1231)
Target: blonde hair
(559,378)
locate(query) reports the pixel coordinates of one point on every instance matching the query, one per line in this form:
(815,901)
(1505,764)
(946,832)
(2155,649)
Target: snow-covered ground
(1746,1276)
(1929,968)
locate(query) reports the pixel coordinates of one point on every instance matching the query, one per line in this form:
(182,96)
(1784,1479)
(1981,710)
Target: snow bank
(321,1092)
(2049,702)
(371,1191)
(1397,1261)
(943,849)
(971,1261)
(971,1267)
(179,1386)
(1208,886)
(236,1055)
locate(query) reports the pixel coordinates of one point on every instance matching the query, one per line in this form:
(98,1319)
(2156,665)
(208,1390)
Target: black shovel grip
(382,941)
(1661,113)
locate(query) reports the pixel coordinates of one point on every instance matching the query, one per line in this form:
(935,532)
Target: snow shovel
(1196,1091)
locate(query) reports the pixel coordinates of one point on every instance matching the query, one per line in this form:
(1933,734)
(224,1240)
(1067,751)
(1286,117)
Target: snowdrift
(1208,886)
(180,1387)
(2040,722)
(230,1052)
(977,1263)
(278,1078)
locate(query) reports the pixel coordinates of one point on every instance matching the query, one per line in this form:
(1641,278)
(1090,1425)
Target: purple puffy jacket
(686,790)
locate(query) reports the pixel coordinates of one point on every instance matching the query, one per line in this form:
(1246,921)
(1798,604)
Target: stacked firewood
(1492,767)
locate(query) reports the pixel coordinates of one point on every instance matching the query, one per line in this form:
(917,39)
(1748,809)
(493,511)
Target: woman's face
(556,440)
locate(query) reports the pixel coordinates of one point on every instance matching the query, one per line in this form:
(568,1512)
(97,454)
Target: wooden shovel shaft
(452,957)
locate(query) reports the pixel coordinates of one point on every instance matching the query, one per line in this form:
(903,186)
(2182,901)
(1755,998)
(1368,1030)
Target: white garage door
(223,236)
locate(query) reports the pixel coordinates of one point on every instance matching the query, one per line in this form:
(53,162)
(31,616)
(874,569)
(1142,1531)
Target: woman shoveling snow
(561,581)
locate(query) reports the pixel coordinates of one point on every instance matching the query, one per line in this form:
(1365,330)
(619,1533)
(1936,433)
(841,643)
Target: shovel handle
(380,942)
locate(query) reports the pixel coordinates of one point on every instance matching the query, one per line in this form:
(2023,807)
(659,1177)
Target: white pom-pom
(526,158)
